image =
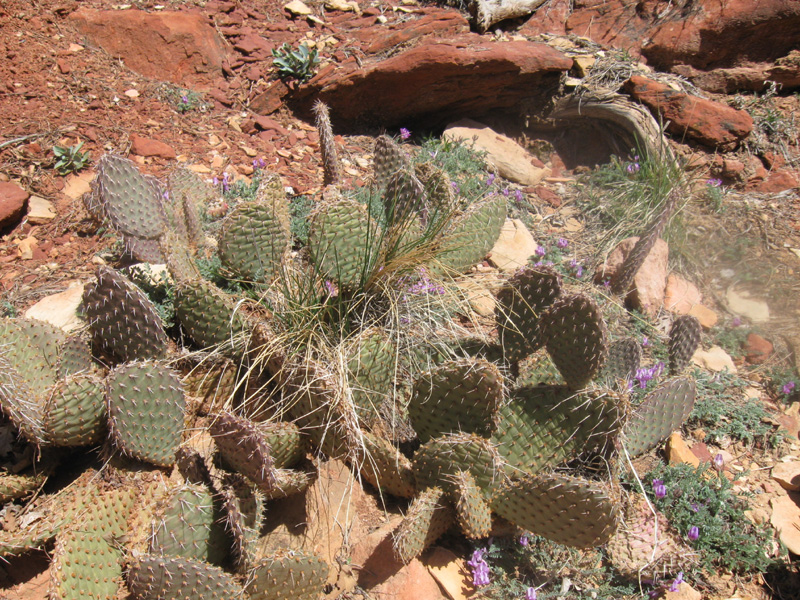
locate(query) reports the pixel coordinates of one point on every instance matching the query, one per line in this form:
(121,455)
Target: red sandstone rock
(181,47)
(548,18)
(437,22)
(705,121)
(148,147)
(12,205)
(434,82)
(756,349)
(680,295)
(778,181)
(647,293)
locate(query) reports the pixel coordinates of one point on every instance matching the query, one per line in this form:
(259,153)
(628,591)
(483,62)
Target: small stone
(707,317)
(582,64)
(131,93)
(786,519)
(40,211)
(788,475)
(340,5)
(678,452)
(742,304)
(685,592)
(297,8)
(714,359)
(202,169)
(680,295)
(757,349)
(448,570)
(60,309)
(75,48)
(650,281)
(78,184)
(26,247)
(149,147)
(514,246)
(12,205)
(480,299)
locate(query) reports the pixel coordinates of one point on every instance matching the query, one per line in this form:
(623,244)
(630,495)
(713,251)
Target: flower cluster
(554,255)
(225,182)
(479,567)
(788,388)
(659,489)
(259,163)
(714,182)
(634,167)
(646,374)
(424,286)
(404,133)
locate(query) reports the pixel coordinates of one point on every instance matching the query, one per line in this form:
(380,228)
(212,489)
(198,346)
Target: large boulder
(12,205)
(180,47)
(435,82)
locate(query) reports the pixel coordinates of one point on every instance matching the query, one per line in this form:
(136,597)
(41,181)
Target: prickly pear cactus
(684,338)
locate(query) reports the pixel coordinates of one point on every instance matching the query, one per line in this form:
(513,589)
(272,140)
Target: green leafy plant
(722,414)
(701,505)
(70,159)
(299,63)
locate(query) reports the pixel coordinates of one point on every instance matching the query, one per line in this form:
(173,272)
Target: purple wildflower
(675,585)
(695,507)
(490,179)
(719,462)
(505,192)
(479,567)
(644,375)
(788,387)
(714,182)
(518,194)
(541,250)
(404,133)
(330,288)
(530,594)
(456,187)
(660,490)
(736,322)
(185,99)
(523,540)
(645,342)
(562,243)
(633,168)
(694,533)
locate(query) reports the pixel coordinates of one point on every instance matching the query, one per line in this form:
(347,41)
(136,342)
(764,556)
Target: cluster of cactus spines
(439,191)
(146,411)
(75,357)
(473,513)
(403,198)
(457,396)
(244,448)
(564,509)
(622,280)
(662,411)
(684,338)
(243,506)
(624,358)
(645,545)
(178,257)
(253,242)
(187,192)
(327,146)
(123,321)
(575,336)
(84,566)
(521,302)
(21,485)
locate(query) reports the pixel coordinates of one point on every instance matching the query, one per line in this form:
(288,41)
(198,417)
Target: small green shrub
(299,63)
(702,498)
(70,159)
(299,212)
(730,339)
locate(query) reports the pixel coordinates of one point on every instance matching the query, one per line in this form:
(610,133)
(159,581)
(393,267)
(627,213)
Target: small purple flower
(185,99)
(788,387)
(695,507)
(694,533)
(479,567)
(562,243)
(456,187)
(645,342)
(262,162)
(404,133)
(330,288)
(518,195)
(675,585)
(714,182)
(505,192)
(490,179)
(541,250)
(579,272)
(736,322)
(719,462)
(530,594)
(660,490)
(633,168)
(255,163)
(658,482)
(166,196)
(215,181)
(523,540)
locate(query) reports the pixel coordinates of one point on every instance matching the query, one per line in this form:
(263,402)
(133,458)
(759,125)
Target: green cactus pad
(123,321)
(472,511)
(85,566)
(243,447)
(289,482)
(575,335)
(438,460)
(145,411)
(285,443)
(74,412)
(684,338)
(386,468)
(75,356)
(132,202)
(472,235)
(178,258)
(19,403)
(253,242)
(344,241)
(19,485)
(371,369)
(142,250)
(403,198)
(439,191)
(544,426)
(243,506)
(427,518)
(567,510)
(185,525)
(169,578)
(208,315)
(661,412)
(521,302)
(459,396)
(624,358)
(32,349)
(287,574)
(389,159)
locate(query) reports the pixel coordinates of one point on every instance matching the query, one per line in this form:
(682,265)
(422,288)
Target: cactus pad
(169,578)
(428,517)
(253,242)
(287,574)
(684,338)
(244,448)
